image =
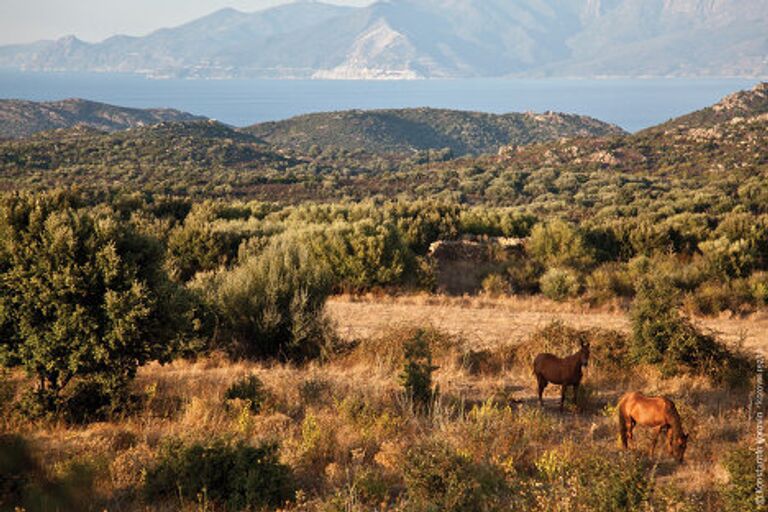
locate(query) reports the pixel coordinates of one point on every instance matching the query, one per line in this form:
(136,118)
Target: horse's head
(584,352)
(678,445)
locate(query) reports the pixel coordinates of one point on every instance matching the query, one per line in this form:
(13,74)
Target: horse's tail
(622,421)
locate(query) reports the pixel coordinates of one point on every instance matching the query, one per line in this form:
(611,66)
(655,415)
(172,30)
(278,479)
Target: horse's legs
(576,394)
(562,396)
(630,432)
(542,384)
(657,432)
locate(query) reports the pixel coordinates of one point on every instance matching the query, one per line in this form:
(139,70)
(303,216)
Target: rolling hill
(408,130)
(19,118)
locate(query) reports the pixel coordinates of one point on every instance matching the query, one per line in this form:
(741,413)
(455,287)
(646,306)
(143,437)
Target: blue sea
(632,104)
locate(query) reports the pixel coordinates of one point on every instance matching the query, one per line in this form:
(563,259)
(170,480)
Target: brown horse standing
(565,372)
(656,412)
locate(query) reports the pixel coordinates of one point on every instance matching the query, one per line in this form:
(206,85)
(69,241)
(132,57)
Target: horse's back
(542,361)
(647,409)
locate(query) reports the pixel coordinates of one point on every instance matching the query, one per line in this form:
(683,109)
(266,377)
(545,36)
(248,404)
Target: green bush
(729,259)
(249,389)
(236,476)
(560,284)
(272,304)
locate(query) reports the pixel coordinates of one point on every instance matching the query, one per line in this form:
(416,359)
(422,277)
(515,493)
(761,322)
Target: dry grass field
(488,322)
(354,442)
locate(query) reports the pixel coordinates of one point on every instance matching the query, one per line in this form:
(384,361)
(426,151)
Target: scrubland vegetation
(266,405)
(170,347)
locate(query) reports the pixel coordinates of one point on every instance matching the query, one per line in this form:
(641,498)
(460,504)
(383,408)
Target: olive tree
(83,295)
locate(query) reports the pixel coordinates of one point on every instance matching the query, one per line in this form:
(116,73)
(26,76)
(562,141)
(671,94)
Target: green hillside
(408,130)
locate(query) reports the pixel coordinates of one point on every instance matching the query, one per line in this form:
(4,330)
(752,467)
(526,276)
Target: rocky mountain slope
(742,104)
(19,118)
(436,38)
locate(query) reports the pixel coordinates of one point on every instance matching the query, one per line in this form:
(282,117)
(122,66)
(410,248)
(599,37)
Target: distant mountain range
(415,129)
(20,118)
(435,39)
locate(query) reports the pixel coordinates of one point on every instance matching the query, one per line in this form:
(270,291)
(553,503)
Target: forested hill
(20,118)
(408,130)
(698,166)
(178,158)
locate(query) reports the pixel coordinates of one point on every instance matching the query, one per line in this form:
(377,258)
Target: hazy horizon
(26,21)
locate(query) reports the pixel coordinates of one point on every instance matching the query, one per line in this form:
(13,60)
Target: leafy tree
(82,295)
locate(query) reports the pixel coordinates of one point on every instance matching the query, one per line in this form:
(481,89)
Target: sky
(24,21)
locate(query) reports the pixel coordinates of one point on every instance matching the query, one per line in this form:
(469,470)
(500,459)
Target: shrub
(558,244)
(438,478)
(237,476)
(607,282)
(249,389)
(728,259)
(662,336)
(523,275)
(24,484)
(494,285)
(713,297)
(560,284)
(740,492)
(92,401)
(594,481)
(416,377)
(388,349)
(272,304)
(609,349)
(487,362)
(758,285)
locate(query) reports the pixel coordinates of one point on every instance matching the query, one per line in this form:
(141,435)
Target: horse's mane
(675,422)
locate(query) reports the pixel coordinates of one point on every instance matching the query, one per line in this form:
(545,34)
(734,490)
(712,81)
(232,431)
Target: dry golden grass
(488,322)
(347,418)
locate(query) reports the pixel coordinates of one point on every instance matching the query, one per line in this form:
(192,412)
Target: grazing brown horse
(565,372)
(656,412)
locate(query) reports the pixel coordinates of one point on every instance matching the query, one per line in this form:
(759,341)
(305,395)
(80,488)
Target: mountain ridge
(399,39)
(20,118)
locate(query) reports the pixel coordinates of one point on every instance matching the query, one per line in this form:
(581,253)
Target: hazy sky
(23,21)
